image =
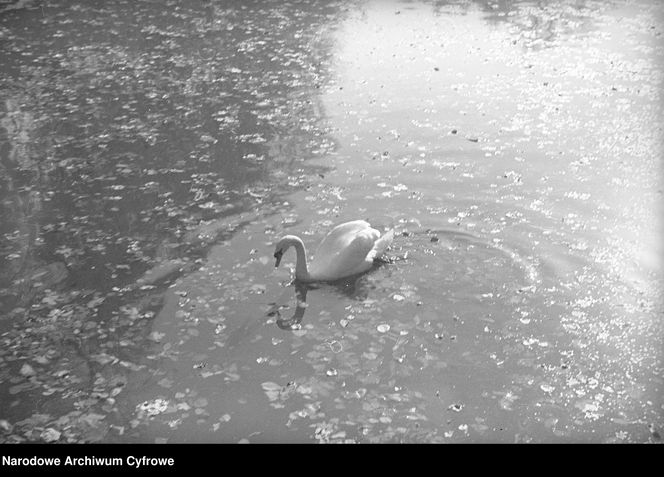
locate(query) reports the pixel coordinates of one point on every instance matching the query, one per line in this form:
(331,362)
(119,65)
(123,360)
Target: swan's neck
(301,268)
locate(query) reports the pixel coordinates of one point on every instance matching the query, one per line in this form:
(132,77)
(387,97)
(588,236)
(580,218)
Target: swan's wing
(345,252)
(340,237)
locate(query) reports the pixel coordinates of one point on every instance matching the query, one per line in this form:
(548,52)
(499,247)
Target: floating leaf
(383,328)
(50,435)
(27,370)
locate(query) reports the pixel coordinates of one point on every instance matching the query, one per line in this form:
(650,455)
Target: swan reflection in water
(292,323)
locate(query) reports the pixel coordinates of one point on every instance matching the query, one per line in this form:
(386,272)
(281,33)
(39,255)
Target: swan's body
(348,249)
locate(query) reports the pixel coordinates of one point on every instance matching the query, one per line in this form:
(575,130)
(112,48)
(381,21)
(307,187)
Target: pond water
(152,153)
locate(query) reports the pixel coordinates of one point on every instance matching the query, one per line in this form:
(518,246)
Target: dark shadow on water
(126,152)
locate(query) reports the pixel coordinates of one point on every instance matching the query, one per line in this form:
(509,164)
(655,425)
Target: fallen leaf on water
(50,435)
(27,370)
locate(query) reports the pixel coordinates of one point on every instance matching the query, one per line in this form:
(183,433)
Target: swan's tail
(381,244)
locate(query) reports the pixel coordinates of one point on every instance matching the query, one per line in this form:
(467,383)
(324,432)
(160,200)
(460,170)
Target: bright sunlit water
(153,153)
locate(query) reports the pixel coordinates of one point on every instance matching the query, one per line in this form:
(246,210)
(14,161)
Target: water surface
(154,152)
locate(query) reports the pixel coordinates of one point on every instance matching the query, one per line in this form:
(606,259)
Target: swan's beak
(277,255)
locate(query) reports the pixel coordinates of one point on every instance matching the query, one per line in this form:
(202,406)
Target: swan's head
(280,249)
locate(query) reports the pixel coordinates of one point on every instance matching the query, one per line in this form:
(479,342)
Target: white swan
(348,249)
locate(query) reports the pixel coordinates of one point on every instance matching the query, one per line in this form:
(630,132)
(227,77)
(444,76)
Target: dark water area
(153,152)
